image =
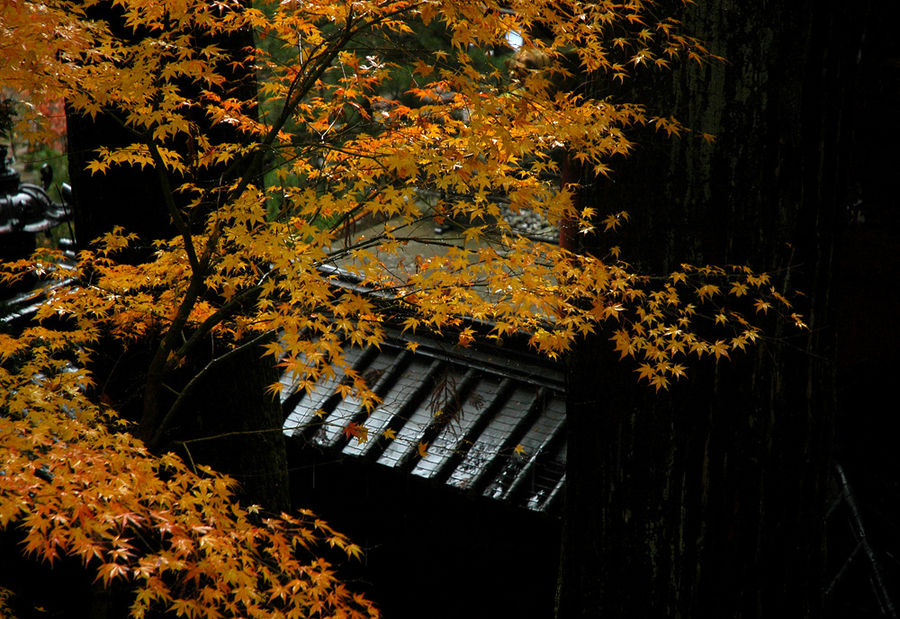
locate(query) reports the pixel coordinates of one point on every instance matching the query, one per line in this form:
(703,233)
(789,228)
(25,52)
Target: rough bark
(709,500)
(233,424)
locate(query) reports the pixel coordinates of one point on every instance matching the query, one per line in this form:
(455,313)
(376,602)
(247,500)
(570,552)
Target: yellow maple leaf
(646,371)
(798,321)
(738,289)
(708,290)
(719,349)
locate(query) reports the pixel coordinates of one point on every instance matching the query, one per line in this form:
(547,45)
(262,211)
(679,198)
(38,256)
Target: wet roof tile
(486,421)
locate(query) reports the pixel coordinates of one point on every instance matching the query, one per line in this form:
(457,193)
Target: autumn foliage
(176,537)
(333,175)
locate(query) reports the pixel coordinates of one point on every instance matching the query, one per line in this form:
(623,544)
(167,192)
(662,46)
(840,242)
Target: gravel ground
(531,224)
(528,223)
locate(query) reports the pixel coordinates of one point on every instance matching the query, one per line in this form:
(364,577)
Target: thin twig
(189,387)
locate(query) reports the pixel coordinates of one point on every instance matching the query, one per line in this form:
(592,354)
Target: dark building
(456,488)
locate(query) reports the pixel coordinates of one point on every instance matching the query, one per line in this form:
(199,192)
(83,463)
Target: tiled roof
(493,420)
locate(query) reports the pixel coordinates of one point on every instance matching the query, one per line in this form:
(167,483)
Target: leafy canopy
(249,257)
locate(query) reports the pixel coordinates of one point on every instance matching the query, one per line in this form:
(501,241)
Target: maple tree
(253,258)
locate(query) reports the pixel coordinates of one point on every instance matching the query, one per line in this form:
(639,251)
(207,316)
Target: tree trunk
(124,196)
(709,500)
(231,401)
(232,422)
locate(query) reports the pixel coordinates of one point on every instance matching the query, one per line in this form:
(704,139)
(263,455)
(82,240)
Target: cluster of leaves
(177,538)
(682,318)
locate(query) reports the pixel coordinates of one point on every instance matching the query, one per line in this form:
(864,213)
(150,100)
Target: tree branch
(169,200)
(189,387)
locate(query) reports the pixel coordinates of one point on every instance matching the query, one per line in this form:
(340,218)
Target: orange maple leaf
(423,449)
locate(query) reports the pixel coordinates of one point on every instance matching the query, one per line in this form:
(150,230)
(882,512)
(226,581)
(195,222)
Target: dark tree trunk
(125,196)
(229,421)
(233,424)
(708,501)
(130,196)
